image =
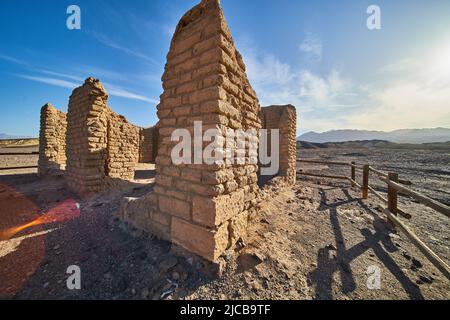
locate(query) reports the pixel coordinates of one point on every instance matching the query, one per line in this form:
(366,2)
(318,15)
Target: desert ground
(315,240)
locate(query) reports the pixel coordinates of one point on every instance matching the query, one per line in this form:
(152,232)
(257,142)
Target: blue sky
(317,55)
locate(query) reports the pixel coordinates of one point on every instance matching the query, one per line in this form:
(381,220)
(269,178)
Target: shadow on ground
(379,241)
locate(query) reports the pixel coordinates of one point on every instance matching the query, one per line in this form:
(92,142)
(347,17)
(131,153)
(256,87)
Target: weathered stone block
(175,207)
(207,243)
(212,212)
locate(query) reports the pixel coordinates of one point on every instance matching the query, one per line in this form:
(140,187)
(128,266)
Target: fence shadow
(379,241)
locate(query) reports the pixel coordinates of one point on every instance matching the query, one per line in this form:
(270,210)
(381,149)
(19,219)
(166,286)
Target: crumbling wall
(123,147)
(284,118)
(148,144)
(52,141)
(203,208)
(87,121)
(101,144)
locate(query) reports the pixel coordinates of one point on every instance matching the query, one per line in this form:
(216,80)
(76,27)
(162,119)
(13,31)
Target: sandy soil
(316,240)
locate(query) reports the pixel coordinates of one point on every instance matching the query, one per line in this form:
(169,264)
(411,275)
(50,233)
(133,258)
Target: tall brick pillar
(86,140)
(204,208)
(52,141)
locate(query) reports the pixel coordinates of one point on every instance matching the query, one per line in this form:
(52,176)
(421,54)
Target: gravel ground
(316,240)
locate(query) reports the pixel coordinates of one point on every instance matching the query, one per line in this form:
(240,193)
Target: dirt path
(312,241)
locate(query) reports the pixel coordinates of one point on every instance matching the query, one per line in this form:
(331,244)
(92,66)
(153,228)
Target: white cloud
(113,44)
(61,75)
(53,78)
(120,92)
(267,70)
(312,45)
(113,90)
(414,94)
(51,81)
(13,59)
(405,104)
(277,82)
(411,93)
(321,101)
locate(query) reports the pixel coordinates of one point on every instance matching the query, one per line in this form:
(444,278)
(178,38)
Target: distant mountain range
(379,144)
(4,136)
(397,136)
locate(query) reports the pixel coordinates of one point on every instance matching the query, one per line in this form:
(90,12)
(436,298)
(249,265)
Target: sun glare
(440,60)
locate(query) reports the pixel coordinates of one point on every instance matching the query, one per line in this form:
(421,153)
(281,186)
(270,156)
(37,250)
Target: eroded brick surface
(207,206)
(87,121)
(204,80)
(148,140)
(91,142)
(52,141)
(283,118)
(204,208)
(122,147)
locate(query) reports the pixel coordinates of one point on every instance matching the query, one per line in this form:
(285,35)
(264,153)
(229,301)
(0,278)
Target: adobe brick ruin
(100,143)
(204,208)
(207,205)
(284,118)
(148,140)
(52,141)
(91,142)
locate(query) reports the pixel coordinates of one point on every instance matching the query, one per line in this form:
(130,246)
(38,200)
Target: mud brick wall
(203,208)
(101,144)
(123,147)
(87,121)
(284,118)
(52,141)
(148,144)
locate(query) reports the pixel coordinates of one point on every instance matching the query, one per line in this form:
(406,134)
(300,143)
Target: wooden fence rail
(394,187)
(433,257)
(18,154)
(436,205)
(17,168)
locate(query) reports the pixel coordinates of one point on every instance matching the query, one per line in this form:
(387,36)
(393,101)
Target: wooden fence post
(353,173)
(392,193)
(365,186)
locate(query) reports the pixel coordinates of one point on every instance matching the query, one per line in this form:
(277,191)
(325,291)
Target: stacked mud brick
(122,147)
(206,206)
(52,141)
(98,143)
(284,118)
(203,208)
(87,124)
(148,144)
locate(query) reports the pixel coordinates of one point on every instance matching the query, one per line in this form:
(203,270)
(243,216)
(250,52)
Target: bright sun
(440,60)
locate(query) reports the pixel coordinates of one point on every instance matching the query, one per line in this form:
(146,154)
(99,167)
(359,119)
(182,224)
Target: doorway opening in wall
(145,173)
(145,170)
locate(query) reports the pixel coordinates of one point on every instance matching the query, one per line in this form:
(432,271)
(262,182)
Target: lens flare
(67,210)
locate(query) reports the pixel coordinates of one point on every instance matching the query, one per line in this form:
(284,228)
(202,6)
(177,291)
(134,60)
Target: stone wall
(148,144)
(100,143)
(123,147)
(284,118)
(203,208)
(87,124)
(52,141)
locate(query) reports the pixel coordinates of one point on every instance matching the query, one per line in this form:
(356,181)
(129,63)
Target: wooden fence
(18,154)
(394,187)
